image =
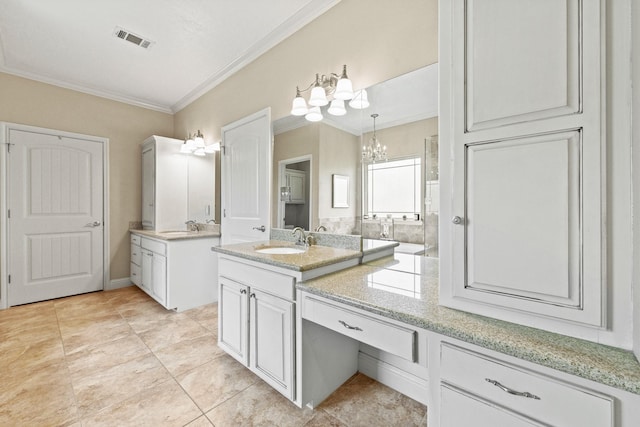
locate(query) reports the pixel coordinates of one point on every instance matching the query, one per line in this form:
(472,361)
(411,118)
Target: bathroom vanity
(176,268)
(306,322)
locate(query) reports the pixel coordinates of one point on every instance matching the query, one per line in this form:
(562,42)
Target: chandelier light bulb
(337,108)
(299,105)
(314,114)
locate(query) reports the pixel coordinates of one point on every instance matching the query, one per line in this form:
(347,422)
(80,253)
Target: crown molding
(301,18)
(88,90)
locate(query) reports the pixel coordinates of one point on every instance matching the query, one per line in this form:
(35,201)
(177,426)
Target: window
(393,188)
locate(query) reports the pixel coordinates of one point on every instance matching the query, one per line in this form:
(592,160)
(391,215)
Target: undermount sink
(280,250)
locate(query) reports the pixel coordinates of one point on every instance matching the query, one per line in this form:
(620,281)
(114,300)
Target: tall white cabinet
(523,166)
(176,187)
(164,184)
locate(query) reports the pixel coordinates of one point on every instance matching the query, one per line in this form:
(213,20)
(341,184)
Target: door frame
(5,127)
(282,165)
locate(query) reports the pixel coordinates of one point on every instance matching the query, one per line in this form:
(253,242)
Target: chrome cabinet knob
(456,220)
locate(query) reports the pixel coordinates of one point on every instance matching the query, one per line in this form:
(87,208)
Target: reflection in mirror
(395,199)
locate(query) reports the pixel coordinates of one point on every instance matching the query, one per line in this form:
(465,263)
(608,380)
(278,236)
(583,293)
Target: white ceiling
(197,43)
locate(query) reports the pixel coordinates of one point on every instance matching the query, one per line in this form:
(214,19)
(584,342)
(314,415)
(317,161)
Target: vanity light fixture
(374,152)
(335,88)
(195,145)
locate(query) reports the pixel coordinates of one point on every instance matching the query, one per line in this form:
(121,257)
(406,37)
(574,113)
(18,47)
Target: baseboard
(391,376)
(119,283)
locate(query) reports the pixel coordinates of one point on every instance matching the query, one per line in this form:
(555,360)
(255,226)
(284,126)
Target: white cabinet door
(296,181)
(459,409)
(147,270)
(148,186)
(233,319)
(522,193)
(159,278)
(271,340)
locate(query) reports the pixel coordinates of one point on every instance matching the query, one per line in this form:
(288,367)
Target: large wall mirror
(394,199)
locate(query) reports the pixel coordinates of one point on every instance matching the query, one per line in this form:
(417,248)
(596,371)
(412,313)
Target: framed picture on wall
(340,191)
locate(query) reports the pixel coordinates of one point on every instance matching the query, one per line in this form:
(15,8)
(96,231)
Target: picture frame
(340,191)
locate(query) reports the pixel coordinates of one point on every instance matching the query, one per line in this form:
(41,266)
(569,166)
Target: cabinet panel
(148,186)
(523,186)
(533,73)
(159,278)
(385,336)
(515,213)
(272,337)
(136,254)
(296,180)
(147,270)
(547,401)
(233,319)
(459,409)
(136,274)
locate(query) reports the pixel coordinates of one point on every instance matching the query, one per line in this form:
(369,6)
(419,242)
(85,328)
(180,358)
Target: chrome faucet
(300,232)
(321,228)
(192,226)
(209,221)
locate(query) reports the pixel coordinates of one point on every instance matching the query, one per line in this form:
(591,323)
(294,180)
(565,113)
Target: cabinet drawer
(385,336)
(555,402)
(136,254)
(268,281)
(135,239)
(154,246)
(136,274)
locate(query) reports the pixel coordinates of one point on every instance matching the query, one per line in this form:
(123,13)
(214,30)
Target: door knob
(456,220)
(93,224)
(261,228)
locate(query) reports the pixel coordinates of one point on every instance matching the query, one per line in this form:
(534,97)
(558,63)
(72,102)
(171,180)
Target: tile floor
(118,358)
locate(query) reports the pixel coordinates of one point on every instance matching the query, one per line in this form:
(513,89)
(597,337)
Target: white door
(55,226)
(246,179)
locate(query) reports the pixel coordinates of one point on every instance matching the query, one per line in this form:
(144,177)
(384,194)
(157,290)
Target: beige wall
(339,154)
(32,103)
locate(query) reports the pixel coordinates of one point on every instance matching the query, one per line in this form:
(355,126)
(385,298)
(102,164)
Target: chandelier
(335,88)
(374,152)
(195,145)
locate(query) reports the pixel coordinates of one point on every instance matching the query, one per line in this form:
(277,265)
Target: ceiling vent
(123,34)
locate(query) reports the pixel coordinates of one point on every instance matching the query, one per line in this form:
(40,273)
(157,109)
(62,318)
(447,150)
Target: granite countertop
(313,257)
(176,235)
(405,288)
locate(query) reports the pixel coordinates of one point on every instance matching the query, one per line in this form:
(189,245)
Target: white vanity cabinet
(522,181)
(179,274)
(256,324)
(296,180)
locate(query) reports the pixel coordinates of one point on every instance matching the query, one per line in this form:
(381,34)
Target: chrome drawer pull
(512,391)
(346,325)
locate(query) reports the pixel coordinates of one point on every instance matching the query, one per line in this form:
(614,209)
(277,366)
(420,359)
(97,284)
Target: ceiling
(195,44)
